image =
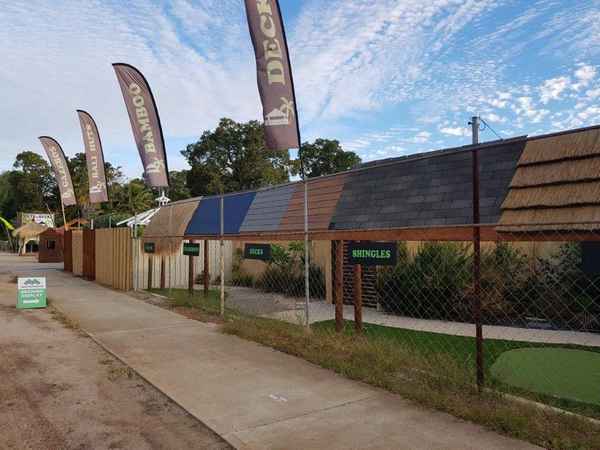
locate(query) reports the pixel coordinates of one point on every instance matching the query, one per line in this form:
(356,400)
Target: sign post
(150,247)
(191,249)
(368,254)
(31,292)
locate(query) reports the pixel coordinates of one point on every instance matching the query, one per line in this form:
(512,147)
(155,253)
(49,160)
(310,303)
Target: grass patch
(433,378)
(434,347)
(196,306)
(432,369)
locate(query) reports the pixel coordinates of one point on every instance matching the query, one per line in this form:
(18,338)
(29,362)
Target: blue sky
(385,77)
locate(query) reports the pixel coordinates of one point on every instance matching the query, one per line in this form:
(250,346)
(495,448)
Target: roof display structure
(557,182)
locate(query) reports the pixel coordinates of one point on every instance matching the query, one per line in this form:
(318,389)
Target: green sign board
(367,253)
(31,292)
(261,252)
(190,249)
(149,247)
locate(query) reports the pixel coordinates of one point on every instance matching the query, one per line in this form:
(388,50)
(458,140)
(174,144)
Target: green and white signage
(190,249)
(31,292)
(367,253)
(261,252)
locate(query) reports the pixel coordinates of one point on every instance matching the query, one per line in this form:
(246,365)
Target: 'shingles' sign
(368,253)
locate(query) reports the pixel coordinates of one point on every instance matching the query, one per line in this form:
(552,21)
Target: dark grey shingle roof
(427,190)
(267,209)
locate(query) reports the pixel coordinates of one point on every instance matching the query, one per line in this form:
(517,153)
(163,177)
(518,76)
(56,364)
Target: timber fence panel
(104,256)
(89,254)
(68,251)
(77,251)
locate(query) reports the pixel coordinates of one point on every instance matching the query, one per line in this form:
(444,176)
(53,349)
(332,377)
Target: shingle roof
(206,218)
(267,209)
(428,189)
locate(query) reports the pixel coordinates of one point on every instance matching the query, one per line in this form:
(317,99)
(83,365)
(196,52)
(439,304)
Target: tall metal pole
(477,255)
(222,248)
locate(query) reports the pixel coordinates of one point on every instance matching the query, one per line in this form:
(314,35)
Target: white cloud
(455,131)
(552,88)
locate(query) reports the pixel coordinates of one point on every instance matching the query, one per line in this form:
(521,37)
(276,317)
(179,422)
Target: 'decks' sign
(190,249)
(31,292)
(261,252)
(372,253)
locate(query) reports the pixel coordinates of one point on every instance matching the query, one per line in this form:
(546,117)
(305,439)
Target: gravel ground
(60,390)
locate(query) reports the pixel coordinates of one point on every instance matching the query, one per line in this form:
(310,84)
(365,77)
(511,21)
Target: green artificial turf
(558,372)
(530,381)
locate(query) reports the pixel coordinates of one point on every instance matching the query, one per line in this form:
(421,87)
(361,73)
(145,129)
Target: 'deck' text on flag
(60,169)
(274,74)
(145,124)
(94,158)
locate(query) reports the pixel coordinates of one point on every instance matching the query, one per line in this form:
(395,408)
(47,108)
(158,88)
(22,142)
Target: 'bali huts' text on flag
(94,158)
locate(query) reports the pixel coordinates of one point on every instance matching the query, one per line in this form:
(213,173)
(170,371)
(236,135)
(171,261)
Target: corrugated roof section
(557,182)
(206,218)
(427,191)
(267,209)
(323,196)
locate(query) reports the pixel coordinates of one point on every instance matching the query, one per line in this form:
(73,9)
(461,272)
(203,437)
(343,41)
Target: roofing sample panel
(206,218)
(168,225)
(557,183)
(267,209)
(427,191)
(323,196)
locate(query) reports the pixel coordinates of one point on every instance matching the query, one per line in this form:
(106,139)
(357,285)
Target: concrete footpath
(253,396)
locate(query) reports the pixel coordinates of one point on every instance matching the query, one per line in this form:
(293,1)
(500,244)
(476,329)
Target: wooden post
(358,298)
(339,286)
(191,274)
(162,272)
(206,273)
(150,271)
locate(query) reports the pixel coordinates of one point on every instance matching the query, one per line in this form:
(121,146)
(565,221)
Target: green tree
(32,183)
(325,157)
(233,157)
(178,189)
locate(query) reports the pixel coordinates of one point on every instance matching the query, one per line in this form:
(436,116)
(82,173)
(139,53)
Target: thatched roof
(557,183)
(29,230)
(168,225)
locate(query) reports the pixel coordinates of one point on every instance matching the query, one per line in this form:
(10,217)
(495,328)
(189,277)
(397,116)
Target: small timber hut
(51,246)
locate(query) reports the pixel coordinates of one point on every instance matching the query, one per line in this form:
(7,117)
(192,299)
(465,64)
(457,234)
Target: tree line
(232,157)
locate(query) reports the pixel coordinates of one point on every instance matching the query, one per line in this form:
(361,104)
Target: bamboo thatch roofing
(172,221)
(557,182)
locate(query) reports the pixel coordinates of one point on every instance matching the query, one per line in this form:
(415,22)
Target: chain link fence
(533,295)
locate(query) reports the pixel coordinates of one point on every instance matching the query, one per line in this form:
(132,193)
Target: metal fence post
(206,268)
(222,249)
(306,257)
(191,272)
(339,286)
(477,257)
(358,325)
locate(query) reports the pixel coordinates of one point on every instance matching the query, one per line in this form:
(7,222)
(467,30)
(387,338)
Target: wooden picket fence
(113,258)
